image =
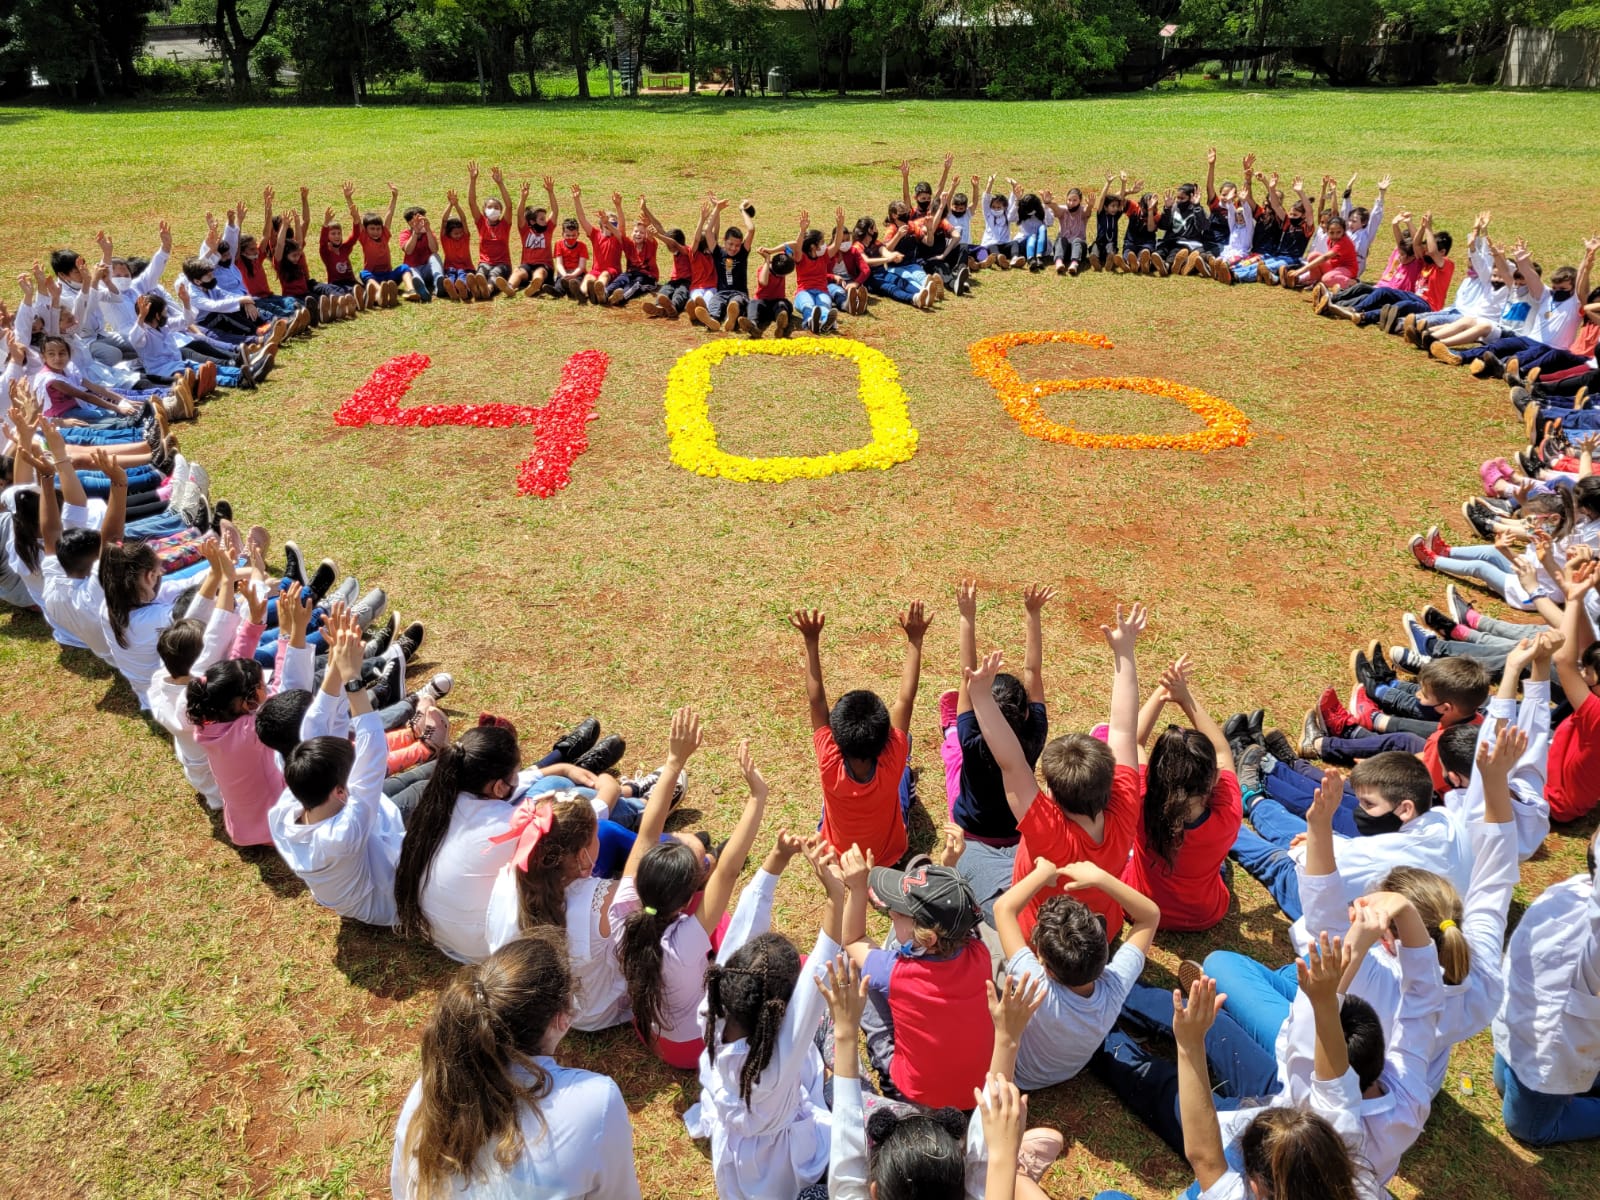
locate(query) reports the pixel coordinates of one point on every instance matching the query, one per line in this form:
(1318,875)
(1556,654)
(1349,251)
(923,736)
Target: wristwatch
(354,685)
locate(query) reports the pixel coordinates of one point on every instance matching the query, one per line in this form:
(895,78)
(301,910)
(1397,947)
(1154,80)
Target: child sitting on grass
(862,747)
(1092,805)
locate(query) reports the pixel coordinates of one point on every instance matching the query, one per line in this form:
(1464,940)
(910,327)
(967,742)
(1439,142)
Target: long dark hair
(25,528)
(213,699)
(483,755)
(542,888)
(668,876)
(918,1157)
(753,988)
(1183,765)
(121,565)
(488,1028)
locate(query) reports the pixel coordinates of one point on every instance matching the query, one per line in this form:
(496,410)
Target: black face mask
(208,283)
(1560,295)
(1367,824)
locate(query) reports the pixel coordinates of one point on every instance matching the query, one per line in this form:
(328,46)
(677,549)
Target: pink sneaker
(947,709)
(1493,471)
(1039,1149)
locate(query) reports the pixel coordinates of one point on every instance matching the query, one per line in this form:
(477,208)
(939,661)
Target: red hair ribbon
(530,821)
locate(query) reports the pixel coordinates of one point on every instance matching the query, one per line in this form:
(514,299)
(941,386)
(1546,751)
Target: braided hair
(752,988)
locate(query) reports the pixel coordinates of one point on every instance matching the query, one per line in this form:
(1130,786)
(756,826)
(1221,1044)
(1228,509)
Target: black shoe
(390,686)
(1278,746)
(1521,397)
(1487,366)
(1438,622)
(603,755)
(1481,517)
(379,642)
(643,785)
(198,514)
(323,578)
(577,740)
(1237,728)
(1382,673)
(410,639)
(220,511)
(1253,726)
(1361,671)
(1248,768)
(1388,318)
(294,564)
(1530,462)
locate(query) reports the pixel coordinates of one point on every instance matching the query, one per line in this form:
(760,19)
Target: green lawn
(179,1018)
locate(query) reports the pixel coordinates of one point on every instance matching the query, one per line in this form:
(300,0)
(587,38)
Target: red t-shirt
(1342,256)
(702,270)
(1047,832)
(811,274)
(1573,783)
(571,255)
(254,273)
(1192,895)
(855,263)
(943,1034)
(375,255)
(296,284)
(863,814)
(535,244)
(457,250)
(607,252)
(770,286)
(1431,760)
(414,251)
(494,242)
(1433,285)
(336,259)
(681,268)
(642,260)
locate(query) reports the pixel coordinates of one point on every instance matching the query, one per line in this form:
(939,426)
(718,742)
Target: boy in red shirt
(862,747)
(378,272)
(606,238)
(536,227)
(673,297)
(335,252)
(1573,786)
(494,232)
(1092,805)
(569,256)
(771,307)
(456,243)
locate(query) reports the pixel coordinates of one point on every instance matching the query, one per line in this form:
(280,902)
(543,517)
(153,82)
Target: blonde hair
(1439,905)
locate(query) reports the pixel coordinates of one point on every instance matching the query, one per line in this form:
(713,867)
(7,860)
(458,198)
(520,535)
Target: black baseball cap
(932,896)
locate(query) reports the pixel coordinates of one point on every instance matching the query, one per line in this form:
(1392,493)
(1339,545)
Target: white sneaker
(180,481)
(439,686)
(199,480)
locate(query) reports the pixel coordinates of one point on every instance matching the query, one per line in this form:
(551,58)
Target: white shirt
(160,350)
(1476,297)
(117,304)
(1364,236)
(1555,324)
(348,860)
(73,516)
(583,1150)
(1337,1101)
(1241,232)
(779,1142)
(602,989)
(1468,1006)
(169,701)
(72,606)
(1068,1028)
(1548,1027)
(962,223)
(1436,841)
(848,1174)
(1530,811)
(457,884)
(997,225)
(138,660)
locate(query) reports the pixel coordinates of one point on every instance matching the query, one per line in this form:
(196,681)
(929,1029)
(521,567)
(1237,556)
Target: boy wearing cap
(928,1027)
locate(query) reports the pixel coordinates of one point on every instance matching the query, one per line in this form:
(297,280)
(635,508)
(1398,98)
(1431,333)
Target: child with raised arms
(605,235)
(537,229)
(456,242)
(379,275)
(493,222)
(673,296)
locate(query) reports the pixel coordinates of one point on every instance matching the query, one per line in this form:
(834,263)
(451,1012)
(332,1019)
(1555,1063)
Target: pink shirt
(247,772)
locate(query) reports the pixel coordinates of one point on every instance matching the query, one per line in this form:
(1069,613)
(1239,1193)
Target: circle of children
(554,881)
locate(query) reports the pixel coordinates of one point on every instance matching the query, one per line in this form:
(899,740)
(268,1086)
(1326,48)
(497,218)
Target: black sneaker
(1237,728)
(1248,768)
(390,686)
(643,785)
(1438,622)
(1279,746)
(603,755)
(1481,517)
(322,579)
(220,511)
(1487,366)
(1529,461)
(1388,318)
(410,639)
(1521,397)
(1361,670)
(294,564)
(1382,672)
(379,642)
(577,740)
(198,513)
(963,281)
(1254,724)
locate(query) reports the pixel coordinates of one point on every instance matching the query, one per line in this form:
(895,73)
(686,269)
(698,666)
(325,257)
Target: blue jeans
(1540,1119)
(1342,752)
(1294,786)
(893,284)
(394,275)
(817,300)
(988,869)
(1037,244)
(1149,1085)
(1258,998)
(140,479)
(157,526)
(1250,271)
(1264,853)
(106,434)
(1483,564)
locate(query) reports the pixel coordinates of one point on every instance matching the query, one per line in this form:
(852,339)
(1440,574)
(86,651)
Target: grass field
(180,1019)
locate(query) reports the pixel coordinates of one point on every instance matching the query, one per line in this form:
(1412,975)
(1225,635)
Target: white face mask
(492,213)
(123,283)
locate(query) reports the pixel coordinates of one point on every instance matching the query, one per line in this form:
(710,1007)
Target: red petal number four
(561,425)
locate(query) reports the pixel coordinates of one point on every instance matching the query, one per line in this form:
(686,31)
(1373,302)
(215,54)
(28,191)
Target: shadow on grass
(378,961)
(27,625)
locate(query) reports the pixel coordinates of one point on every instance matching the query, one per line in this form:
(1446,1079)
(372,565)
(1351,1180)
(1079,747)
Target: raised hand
(914,620)
(1012,1006)
(1123,633)
(981,678)
(967,599)
(752,774)
(1192,1021)
(1036,595)
(1509,747)
(1322,968)
(846,993)
(1004,1112)
(809,621)
(1329,795)
(955,844)
(685,737)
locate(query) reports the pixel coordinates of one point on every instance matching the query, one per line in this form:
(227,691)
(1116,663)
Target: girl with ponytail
(664,949)
(494,1114)
(1192,811)
(447,863)
(761,1075)
(550,881)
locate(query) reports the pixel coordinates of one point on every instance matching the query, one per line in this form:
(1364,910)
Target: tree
(235,41)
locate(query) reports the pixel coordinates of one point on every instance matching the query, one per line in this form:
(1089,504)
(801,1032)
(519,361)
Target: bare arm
(1202,1133)
(810,623)
(967,610)
(1122,636)
(1034,598)
(1020,783)
(719,888)
(914,621)
(683,741)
